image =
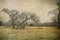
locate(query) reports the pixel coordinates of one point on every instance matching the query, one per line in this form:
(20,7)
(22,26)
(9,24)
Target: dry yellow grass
(30,33)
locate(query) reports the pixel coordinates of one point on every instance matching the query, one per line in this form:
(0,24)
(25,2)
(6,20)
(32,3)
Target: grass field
(30,33)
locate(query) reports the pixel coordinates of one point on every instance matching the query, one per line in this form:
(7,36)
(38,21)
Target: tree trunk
(13,26)
(13,23)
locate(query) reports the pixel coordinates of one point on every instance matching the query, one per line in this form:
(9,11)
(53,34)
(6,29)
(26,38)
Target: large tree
(56,14)
(12,14)
(24,17)
(59,13)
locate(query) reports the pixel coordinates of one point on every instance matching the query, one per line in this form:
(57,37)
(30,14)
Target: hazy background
(40,7)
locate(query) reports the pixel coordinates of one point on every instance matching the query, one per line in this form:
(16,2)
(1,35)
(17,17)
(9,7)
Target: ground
(30,33)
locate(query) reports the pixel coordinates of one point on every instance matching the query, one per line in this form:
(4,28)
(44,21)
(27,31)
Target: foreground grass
(30,33)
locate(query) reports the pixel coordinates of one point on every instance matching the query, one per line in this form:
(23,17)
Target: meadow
(30,33)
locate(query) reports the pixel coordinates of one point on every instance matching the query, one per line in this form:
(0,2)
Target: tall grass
(29,33)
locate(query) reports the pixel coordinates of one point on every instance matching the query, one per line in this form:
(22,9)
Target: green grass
(29,33)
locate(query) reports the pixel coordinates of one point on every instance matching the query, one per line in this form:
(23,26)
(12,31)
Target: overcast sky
(41,7)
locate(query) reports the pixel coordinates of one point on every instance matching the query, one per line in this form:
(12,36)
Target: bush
(1,23)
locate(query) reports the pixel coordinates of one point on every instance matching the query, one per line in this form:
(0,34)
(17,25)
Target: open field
(30,33)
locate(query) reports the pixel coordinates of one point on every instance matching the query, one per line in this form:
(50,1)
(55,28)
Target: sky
(40,7)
